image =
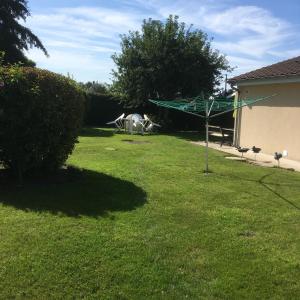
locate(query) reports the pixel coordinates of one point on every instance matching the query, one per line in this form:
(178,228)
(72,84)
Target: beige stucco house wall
(274,124)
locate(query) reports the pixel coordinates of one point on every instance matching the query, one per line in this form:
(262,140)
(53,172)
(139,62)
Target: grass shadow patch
(129,141)
(268,185)
(193,136)
(95,132)
(74,193)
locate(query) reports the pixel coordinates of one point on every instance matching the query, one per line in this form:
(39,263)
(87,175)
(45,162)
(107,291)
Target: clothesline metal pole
(206,138)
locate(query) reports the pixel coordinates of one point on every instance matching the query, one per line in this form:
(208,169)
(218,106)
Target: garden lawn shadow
(135,142)
(88,194)
(193,136)
(268,186)
(95,132)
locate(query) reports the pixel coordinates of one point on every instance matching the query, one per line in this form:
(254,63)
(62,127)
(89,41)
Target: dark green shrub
(40,118)
(102,108)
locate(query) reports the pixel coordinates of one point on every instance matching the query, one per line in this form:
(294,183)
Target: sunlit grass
(141,220)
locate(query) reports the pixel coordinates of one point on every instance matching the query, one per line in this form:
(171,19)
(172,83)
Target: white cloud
(83,67)
(81,40)
(286,53)
(90,24)
(243,65)
(87,36)
(247,30)
(90,47)
(249,33)
(252,31)
(245,20)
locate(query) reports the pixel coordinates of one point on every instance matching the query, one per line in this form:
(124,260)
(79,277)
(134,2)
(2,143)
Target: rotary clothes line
(208,108)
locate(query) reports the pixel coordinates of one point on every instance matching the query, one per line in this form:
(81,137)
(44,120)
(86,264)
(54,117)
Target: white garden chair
(148,124)
(119,122)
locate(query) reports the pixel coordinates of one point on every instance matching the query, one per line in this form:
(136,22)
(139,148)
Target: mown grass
(143,222)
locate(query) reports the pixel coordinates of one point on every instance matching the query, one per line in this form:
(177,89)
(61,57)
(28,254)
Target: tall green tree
(166,59)
(14,37)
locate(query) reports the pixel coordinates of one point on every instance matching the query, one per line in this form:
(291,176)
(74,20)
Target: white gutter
(264,81)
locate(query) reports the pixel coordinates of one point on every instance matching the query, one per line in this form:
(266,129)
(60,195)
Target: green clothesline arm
(183,105)
(186,111)
(240,106)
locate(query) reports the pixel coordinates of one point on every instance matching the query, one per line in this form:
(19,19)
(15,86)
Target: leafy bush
(40,118)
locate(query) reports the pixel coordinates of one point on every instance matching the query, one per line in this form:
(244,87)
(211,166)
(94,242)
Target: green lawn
(143,222)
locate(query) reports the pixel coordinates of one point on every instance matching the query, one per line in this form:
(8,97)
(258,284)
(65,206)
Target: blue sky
(81,36)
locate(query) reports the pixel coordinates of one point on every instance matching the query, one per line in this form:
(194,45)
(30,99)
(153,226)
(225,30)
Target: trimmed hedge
(102,108)
(40,117)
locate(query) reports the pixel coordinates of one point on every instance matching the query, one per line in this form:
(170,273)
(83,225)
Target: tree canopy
(166,59)
(95,87)
(14,37)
